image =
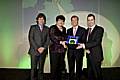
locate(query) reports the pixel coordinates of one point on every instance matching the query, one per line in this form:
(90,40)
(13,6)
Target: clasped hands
(40,50)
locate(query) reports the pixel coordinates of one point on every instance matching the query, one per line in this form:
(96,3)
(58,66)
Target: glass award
(72,40)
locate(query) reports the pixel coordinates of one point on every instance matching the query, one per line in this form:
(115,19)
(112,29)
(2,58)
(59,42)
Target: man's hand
(82,45)
(87,51)
(41,49)
(79,46)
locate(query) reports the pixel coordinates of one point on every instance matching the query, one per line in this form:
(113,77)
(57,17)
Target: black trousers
(56,65)
(75,56)
(94,69)
(63,67)
(37,66)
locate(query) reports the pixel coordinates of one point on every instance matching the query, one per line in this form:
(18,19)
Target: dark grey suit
(94,44)
(37,39)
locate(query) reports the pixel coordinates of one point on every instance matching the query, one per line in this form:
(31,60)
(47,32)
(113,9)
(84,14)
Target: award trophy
(72,41)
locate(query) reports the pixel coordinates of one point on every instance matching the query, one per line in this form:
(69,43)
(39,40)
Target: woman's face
(60,22)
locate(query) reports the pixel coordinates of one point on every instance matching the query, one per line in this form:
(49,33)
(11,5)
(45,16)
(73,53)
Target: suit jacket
(38,38)
(80,33)
(94,43)
(55,37)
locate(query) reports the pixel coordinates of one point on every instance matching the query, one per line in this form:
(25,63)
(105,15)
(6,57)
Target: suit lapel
(37,27)
(71,33)
(93,30)
(92,33)
(78,30)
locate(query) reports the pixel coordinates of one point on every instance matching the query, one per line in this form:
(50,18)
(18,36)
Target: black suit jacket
(55,37)
(38,38)
(80,33)
(94,43)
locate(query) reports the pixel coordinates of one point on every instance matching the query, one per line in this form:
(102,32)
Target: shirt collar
(75,27)
(40,26)
(92,27)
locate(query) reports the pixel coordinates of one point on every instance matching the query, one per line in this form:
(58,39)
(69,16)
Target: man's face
(41,21)
(74,22)
(90,21)
(60,22)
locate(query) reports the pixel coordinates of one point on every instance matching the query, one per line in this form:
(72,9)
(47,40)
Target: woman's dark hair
(40,15)
(60,17)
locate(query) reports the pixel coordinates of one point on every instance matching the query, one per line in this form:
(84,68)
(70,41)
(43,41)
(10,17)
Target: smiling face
(41,21)
(90,21)
(74,21)
(60,22)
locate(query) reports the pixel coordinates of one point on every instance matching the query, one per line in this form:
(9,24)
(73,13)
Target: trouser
(94,69)
(75,56)
(56,64)
(37,62)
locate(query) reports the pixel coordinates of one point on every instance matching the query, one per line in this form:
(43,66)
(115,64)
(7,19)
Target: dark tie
(89,32)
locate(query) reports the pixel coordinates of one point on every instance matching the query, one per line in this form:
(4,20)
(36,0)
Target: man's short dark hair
(89,15)
(74,16)
(40,15)
(60,17)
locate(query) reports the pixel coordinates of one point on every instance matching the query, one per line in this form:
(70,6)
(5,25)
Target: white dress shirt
(75,30)
(41,27)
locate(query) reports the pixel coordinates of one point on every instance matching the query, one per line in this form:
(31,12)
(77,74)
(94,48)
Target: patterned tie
(41,28)
(89,32)
(74,31)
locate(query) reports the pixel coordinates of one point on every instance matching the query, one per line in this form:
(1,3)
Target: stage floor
(24,74)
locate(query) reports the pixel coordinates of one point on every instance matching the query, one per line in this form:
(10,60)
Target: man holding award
(76,35)
(93,46)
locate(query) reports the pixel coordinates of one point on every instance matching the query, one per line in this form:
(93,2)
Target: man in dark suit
(75,53)
(93,48)
(38,40)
